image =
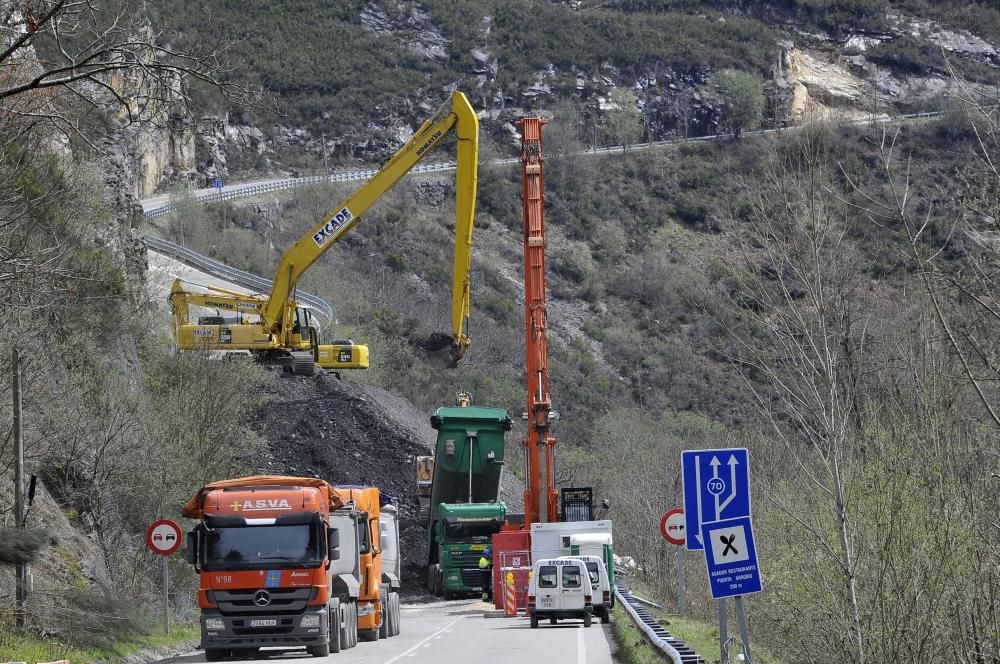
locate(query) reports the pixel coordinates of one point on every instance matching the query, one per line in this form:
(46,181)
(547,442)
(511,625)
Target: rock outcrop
(820,87)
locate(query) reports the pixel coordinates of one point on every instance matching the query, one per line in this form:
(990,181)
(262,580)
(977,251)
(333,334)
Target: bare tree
(801,295)
(65,62)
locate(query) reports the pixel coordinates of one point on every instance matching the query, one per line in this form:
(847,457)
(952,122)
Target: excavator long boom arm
(461,119)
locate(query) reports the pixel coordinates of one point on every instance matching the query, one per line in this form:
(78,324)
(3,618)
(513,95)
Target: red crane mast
(540,498)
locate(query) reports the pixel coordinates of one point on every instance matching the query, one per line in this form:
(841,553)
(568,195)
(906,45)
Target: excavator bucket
(442,350)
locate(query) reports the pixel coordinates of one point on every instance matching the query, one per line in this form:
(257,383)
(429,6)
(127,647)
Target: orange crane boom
(540,498)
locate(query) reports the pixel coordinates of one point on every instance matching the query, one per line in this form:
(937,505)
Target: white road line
(425,640)
(581,648)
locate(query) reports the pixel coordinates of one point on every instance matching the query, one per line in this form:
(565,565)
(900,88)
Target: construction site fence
(518,565)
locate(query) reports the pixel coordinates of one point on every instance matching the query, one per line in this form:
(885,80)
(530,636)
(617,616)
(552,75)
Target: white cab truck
(560,588)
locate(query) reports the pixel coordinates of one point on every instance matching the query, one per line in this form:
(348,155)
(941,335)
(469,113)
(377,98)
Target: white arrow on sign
(733,462)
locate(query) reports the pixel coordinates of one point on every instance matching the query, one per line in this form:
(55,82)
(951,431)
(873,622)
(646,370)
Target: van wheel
(214,654)
(605,616)
(587,619)
(534,622)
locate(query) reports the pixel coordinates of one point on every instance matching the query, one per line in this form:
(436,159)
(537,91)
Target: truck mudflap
(310,628)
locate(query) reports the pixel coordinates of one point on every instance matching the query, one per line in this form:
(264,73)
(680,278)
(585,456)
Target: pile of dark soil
(342,432)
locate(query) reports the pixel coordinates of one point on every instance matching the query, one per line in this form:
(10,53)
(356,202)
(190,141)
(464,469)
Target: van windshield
(595,575)
(548,576)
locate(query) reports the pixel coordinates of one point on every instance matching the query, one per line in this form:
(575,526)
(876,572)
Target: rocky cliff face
(815,75)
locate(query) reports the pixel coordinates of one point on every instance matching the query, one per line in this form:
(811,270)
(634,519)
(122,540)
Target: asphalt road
(457,633)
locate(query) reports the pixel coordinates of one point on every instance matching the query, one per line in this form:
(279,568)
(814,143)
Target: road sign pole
(166,597)
(680,581)
(723,634)
(741,617)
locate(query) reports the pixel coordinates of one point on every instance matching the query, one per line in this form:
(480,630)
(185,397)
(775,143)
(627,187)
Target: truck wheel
(396,614)
(587,619)
(319,651)
(369,634)
(214,654)
(349,634)
(534,622)
(383,629)
(605,616)
(438,581)
(334,622)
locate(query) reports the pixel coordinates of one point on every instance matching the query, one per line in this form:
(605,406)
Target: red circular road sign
(672,526)
(163,537)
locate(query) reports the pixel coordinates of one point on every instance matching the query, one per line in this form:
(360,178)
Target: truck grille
(473,578)
(468,559)
(241,602)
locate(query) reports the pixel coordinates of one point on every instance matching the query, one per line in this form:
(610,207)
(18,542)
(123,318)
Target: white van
(599,583)
(560,588)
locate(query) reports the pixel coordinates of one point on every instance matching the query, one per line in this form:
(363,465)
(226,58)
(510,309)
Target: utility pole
(21,572)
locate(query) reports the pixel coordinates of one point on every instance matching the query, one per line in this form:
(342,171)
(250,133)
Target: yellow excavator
(241,331)
(282,331)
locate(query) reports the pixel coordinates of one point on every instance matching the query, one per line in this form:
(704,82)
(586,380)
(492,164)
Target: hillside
(824,296)
(351,80)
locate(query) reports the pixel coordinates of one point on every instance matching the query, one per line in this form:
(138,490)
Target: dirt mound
(341,431)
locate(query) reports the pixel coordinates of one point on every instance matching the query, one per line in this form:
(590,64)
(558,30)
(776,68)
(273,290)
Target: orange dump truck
(292,562)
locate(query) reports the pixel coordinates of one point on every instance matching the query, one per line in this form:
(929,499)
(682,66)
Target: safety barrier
(266,186)
(672,647)
(236,276)
(514,596)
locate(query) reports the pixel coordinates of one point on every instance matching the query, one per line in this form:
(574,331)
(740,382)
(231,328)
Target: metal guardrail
(672,647)
(266,186)
(229,273)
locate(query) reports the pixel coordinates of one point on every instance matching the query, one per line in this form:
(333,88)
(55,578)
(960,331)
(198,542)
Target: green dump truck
(462,501)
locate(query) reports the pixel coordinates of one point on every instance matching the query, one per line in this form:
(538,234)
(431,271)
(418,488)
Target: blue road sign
(716,487)
(218,183)
(731,557)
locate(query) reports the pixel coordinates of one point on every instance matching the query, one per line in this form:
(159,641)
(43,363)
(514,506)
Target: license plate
(547,602)
(263,622)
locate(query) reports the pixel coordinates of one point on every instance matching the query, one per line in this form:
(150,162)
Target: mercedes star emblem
(262,598)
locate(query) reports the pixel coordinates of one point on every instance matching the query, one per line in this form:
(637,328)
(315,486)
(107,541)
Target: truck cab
(462,531)
(560,588)
(282,562)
